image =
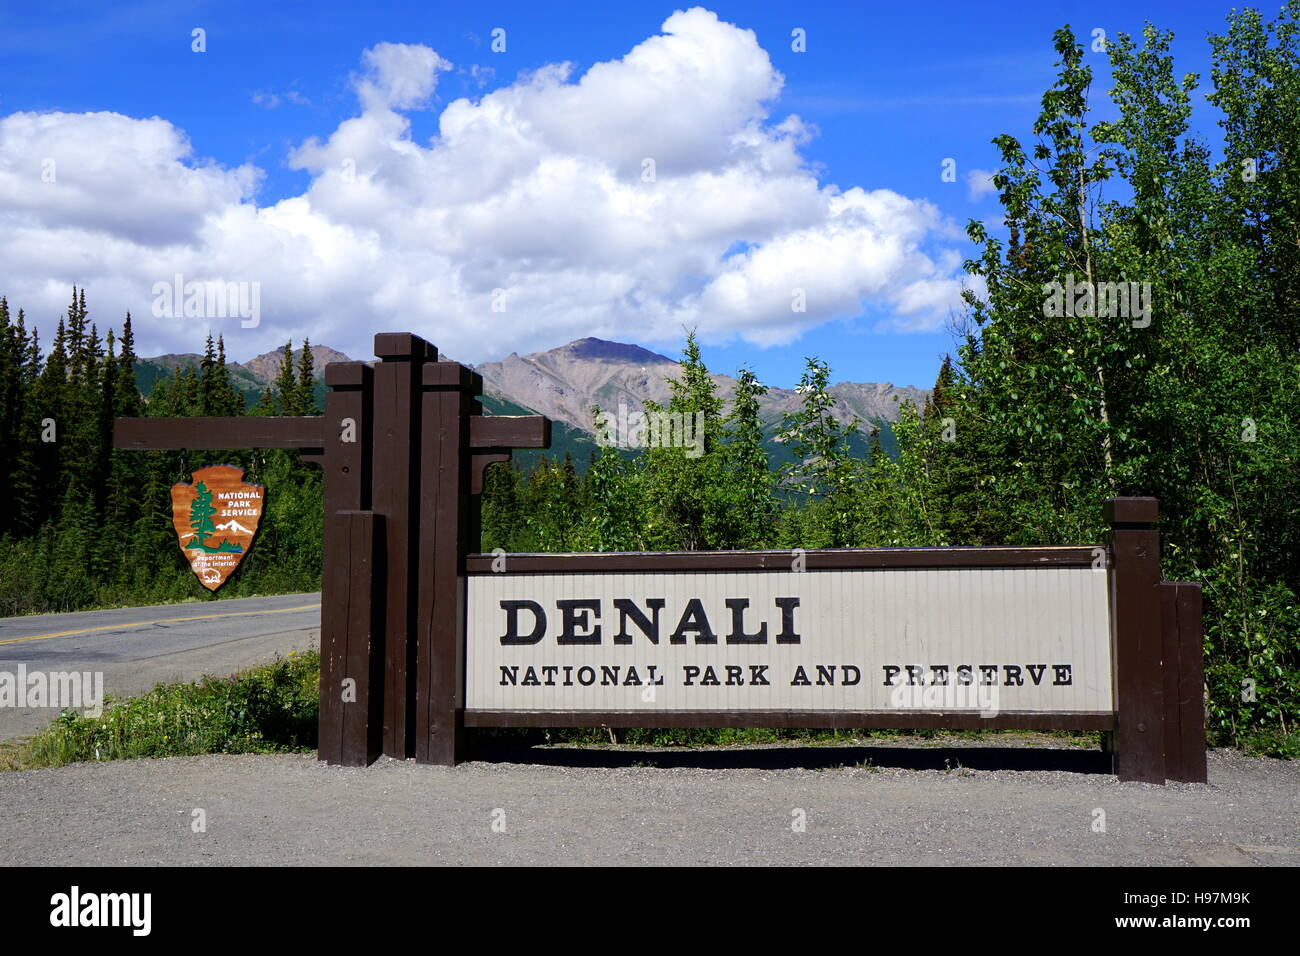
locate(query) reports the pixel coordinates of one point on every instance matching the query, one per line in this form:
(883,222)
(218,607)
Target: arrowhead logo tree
(216,519)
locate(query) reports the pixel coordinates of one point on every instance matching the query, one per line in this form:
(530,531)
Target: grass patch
(665,736)
(11,754)
(739,736)
(270,709)
(1272,743)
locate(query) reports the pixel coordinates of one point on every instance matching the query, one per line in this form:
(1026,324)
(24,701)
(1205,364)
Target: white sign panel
(942,640)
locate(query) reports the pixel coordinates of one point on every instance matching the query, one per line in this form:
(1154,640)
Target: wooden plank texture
(1139,641)
(395,490)
(351,636)
(239,432)
(444,501)
(509,431)
(1188,706)
(1169,637)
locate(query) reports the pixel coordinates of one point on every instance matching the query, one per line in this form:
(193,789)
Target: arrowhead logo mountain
(216,519)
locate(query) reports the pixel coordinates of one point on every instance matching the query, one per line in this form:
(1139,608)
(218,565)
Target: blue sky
(885,92)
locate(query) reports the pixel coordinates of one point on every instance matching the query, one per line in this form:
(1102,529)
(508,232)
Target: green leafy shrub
(268,709)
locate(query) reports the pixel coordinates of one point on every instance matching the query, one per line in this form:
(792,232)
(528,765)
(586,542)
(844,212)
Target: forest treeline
(88,525)
(1137,333)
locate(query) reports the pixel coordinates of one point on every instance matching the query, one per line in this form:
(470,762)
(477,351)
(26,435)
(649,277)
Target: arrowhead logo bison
(215,520)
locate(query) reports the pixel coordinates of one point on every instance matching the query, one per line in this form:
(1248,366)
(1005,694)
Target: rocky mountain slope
(563,383)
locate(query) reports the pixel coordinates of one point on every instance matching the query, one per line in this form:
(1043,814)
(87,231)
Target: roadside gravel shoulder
(874,804)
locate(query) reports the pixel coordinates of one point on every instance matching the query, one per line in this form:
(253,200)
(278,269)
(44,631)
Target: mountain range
(564,383)
(249,377)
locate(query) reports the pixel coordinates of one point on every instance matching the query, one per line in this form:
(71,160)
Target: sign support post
(1160,732)
(448,402)
(351,680)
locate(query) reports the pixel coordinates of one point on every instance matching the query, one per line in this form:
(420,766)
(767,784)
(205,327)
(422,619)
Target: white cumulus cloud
(980,183)
(611,204)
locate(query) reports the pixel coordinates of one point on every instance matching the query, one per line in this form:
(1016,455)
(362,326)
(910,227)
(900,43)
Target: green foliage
(275,709)
(825,472)
(687,482)
(749,488)
(264,710)
(614,504)
(1193,403)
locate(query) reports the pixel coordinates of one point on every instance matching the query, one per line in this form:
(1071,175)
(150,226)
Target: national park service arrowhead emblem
(215,520)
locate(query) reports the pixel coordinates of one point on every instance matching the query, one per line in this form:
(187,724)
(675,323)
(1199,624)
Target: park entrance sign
(844,640)
(421,638)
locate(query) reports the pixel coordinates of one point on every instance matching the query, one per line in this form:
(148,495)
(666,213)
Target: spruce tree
(306,384)
(286,385)
(685,481)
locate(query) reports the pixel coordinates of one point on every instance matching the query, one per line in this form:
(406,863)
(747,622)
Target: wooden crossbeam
(485,431)
(509,431)
(239,432)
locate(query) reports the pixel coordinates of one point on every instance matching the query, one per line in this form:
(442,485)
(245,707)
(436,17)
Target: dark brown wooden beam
(351,636)
(404,346)
(1191,682)
(1184,677)
(395,490)
(348,375)
(240,432)
(443,528)
(509,431)
(847,558)
(1131,511)
(1139,640)
(351,677)
(479,461)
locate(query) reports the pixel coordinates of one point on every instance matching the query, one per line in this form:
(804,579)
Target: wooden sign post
(421,638)
(403,445)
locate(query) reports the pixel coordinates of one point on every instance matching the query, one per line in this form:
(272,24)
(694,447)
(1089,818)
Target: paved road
(136,648)
(665,808)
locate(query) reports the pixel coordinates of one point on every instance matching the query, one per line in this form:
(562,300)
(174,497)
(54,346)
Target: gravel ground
(623,805)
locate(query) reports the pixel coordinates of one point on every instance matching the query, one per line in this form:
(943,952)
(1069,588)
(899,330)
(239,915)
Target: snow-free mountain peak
(564,383)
